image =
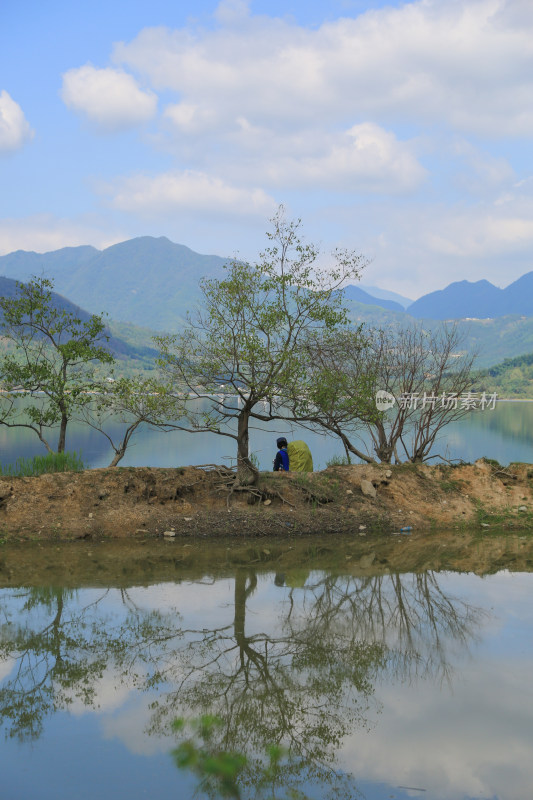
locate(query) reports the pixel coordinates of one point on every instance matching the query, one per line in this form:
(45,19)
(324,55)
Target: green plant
(219,770)
(38,465)
(492,461)
(51,357)
(338,461)
(452,486)
(135,402)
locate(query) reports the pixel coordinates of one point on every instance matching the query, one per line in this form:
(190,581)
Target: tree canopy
(51,357)
(247,339)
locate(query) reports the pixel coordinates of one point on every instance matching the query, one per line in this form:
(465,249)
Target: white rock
(169,534)
(367,488)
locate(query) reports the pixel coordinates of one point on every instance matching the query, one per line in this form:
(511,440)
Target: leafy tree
(51,359)
(131,402)
(339,395)
(248,336)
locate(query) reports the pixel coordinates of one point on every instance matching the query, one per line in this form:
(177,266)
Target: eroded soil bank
(149,502)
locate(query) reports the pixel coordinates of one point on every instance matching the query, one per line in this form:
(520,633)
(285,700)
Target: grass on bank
(39,465)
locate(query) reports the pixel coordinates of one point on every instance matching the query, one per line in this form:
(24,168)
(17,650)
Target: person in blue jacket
(281,461)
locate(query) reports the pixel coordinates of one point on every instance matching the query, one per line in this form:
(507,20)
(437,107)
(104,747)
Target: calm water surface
(506,434)
(381,684)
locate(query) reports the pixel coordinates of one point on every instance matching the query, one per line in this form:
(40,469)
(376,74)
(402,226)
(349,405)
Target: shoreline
(143,502)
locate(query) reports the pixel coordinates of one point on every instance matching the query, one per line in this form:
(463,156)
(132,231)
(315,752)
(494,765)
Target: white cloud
(14,128)
(44,232)
(473,741)
(6,667)
(480,171)
(110,98)
(190,118)
(417,247)
(365,158)
(232,11)
(496,229)
(467,64)
(111,692)
(188,191)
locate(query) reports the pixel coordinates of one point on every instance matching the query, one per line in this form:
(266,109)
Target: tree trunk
(246,472)
(62,433)
(119,455)
(241,594)
(384,449)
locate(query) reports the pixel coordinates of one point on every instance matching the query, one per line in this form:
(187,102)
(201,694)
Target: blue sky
(401,130)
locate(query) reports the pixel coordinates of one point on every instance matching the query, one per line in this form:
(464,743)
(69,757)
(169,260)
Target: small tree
(51,356)
(248,336)
(424,373)
(132,403)
(340,388)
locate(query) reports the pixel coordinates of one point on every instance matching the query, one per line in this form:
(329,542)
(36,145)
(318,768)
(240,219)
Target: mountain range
(147,281)
(478,300)
(153,283)
(118,346)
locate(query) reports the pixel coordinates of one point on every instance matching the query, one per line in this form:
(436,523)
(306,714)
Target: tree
(51,358)
(246,340)
(427,372)
(424,375)
(339,395)
(131,402)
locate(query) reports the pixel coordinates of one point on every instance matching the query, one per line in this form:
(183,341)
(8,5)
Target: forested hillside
(513,378)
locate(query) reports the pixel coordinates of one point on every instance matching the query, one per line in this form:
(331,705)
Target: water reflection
(292,659)
(419,627)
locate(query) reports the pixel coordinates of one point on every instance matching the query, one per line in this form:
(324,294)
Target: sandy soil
(147,503)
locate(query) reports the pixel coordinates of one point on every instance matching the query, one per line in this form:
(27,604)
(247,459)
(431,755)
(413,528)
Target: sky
(400,130)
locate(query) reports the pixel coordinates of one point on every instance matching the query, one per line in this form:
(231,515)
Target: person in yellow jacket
(297,454)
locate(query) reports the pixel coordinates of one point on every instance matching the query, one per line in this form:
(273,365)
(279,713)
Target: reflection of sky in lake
(505,434)
(468,735)
(473,738)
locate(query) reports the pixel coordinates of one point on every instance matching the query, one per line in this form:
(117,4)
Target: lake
(505,434)
(378,683)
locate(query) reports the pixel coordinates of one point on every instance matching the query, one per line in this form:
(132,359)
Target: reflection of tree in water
(304,680)
(421,627)
(305,689)
(60,653)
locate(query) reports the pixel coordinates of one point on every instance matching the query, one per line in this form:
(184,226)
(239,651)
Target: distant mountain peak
(476,300)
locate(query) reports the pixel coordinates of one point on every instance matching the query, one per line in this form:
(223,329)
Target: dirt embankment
(147,502)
